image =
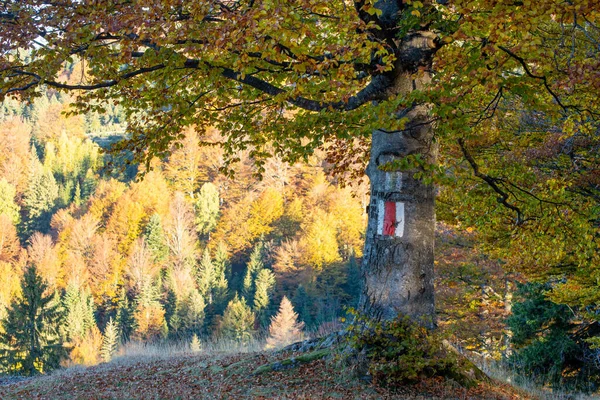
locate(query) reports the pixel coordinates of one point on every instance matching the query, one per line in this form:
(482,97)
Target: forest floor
(214,376)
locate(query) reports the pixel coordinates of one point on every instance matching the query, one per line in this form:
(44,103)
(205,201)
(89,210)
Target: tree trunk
(398,258)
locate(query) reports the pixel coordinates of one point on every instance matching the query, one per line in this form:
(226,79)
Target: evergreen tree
(220,289)
(285,328)
(192,313)
(155,239)
(207,208)
(221,262)
(79,307)
(110,341)
(39,200)
(125,316)
(255,264)
(302,303)
(353,279)
(265,282)
(238,321)
(548,340)
(206,276)
(7,201)
(149,314)
(30,337)
(90,181)
(212,284)
(171,307)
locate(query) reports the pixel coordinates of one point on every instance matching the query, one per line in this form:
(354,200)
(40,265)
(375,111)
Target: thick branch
(532,75)
(373,91)
(492,182)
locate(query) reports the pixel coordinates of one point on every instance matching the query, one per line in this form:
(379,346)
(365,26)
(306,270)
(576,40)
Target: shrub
(401,351)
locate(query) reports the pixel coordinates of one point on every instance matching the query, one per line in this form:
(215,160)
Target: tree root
(292,361)
(469,375)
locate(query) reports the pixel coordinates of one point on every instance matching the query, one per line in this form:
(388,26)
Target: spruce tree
(125,316)
(110,341)
(206,276)
(238,321)
(302,303)
(191,313)
(353,279)
(207,208)
(264,284)
(30,339)
(39,200)
(7,201)
(255,264)
(79,308)
(155,239)
(171,306)
(285,328)
(221,261)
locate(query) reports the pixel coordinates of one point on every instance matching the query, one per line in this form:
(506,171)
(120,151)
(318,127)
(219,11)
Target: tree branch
(531,75)
(492,182)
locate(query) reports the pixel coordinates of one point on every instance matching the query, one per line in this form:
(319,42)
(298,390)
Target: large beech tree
(287,77)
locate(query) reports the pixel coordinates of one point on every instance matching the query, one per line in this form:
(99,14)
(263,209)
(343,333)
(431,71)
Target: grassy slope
(209,376)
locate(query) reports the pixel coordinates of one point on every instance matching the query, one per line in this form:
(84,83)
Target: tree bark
(398,257)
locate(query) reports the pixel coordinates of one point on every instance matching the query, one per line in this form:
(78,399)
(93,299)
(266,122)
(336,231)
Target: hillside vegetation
(210,376)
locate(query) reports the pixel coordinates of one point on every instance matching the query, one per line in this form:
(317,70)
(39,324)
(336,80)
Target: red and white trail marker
(390,221)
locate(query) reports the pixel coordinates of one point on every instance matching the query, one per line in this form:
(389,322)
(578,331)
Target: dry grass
(218,372)
(500,373)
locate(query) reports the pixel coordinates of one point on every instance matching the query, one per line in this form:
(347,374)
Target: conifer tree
(221,261)
(30,338)
(192,313)
(353,279)
(285,328)
(155,239)
(125,316)
(195,344)
(302,304)
(265,282)
(255,264)
(220,289)
(212,284)
(171,306)
(7,201)
(80,329)
(39,200)
(110,341)
(238,321)
(207,208)
(149,314)
(206,276)
(79,309)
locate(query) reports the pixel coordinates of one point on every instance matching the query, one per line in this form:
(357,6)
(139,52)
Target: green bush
(401,351)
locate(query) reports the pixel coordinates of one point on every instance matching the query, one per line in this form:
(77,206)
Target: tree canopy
(512,96)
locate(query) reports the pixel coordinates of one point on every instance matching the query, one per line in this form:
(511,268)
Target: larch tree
(348,76)
(110,341)
(285,328)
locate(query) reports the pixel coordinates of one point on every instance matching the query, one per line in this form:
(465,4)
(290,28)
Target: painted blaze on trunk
(398,259)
